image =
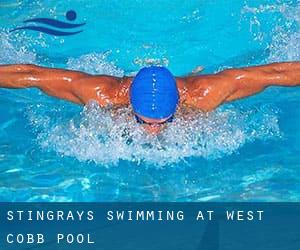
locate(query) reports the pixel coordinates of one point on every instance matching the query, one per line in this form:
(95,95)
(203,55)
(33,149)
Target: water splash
(12,51)
(285,35)
(143,62)
(106,136)
(95,63)
(285,45)
(264,8)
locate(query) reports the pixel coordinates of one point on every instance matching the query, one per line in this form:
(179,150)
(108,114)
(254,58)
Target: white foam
(106,136)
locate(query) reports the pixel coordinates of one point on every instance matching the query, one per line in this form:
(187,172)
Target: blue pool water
(52,150)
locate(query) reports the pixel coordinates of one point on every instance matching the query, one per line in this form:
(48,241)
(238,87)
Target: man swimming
(153,93)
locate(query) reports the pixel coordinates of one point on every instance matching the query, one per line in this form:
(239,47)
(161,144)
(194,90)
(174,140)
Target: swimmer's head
(154,95)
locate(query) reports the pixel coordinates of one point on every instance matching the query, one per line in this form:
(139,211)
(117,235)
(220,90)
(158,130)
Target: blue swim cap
(154,93)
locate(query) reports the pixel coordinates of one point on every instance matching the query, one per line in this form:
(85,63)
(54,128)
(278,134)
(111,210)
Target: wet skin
(203,92)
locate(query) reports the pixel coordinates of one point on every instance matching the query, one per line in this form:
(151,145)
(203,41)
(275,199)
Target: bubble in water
(192,17)
(106,136)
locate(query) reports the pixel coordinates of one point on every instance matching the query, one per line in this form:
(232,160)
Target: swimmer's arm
(54,82)
(255,79)
(207,92)
(74,86)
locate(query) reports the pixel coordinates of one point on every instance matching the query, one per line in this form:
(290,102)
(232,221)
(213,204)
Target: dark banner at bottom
(195,226)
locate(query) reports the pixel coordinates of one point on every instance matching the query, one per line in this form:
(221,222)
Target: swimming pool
(248,150)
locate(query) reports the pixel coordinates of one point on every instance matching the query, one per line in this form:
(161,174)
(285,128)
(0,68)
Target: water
(51,150)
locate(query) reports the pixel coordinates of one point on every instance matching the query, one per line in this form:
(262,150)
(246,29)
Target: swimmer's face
(153,126)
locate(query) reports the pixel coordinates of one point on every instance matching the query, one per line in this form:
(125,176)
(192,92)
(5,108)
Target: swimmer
(154,93)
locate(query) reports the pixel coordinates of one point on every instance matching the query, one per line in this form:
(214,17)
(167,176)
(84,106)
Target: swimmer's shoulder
(191,85)
(205,92)
(106,90)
